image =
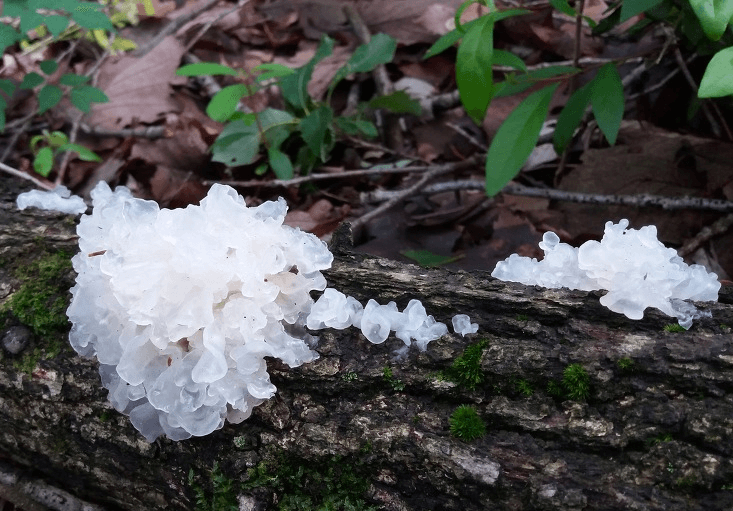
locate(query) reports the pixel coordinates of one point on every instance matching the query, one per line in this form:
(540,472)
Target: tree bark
(654,431)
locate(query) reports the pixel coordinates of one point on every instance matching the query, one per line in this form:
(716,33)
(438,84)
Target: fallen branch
(640,201)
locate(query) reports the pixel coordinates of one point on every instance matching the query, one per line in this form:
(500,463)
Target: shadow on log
(643,419)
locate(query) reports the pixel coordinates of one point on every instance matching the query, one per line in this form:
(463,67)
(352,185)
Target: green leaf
(31,80)
(30,20)
(237,144)
(56,24)
(8,37)
(520,83)
(224,103)
(473,69)
(122,44)
(718,78)
(205,69)
(43,162)
(607,99)
(294,87)
(398,102)
(280,163)
(7,86)
(272,70)
(2,116)
(564,7)
(87,16)
(83,153)
(356,127)
(271,117)
(379,50)
(314,127)
(459,12)
(516,138)
(56,138)
(448,40)
(714,16)
(48,97)
(73,80)
(49,67)
(570,118)
(83,97)
(630,8)
(428,259)
(505,58)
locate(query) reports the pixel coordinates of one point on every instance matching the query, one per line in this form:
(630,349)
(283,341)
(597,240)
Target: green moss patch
(466,424)
(334,483)
(40,303)
(466,369)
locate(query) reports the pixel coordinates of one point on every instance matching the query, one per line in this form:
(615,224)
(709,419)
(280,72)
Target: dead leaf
(139,88)
(646,159)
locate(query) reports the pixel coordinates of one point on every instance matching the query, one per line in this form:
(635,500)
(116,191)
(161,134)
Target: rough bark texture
(655,431)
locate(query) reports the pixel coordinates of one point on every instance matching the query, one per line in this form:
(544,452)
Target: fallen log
(580,408)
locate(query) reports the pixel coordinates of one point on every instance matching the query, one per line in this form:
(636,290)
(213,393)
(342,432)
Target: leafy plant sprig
(518,134)
(53,16)
(47,146)
(306,128)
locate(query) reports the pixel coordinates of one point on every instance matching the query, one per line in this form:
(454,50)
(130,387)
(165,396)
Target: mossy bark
(654,432)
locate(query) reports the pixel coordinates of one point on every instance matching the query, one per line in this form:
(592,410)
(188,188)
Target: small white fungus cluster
(336,310)
(58,199)
(181,306)
(636,269)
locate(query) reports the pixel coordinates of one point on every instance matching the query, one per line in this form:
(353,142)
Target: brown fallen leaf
(139,89)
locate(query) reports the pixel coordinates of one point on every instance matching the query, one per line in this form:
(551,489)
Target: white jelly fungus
(636,269)
(180,307)
(59,199)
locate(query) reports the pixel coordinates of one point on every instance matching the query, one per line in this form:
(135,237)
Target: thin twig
(208,25)
(93,72)
(25,122)
(714,126)
(171,28)
(474,141)
(721,226)
(410,190)
(17,173)
(296,181)
(641,200)
(151,132)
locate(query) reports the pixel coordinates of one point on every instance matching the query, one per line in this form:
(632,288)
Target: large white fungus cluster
(636,269)
(180,307)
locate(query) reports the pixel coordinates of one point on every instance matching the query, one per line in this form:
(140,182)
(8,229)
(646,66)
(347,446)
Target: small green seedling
(47,146)
(576,382)
(466,424)
(222,496)
(350,376)
(466,369)
(674,328)
(397,385)
(304,133)
(523,387)
(625,364)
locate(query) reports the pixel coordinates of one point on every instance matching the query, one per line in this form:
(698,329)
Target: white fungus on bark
(636,269)
(59,199)
(180,307)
